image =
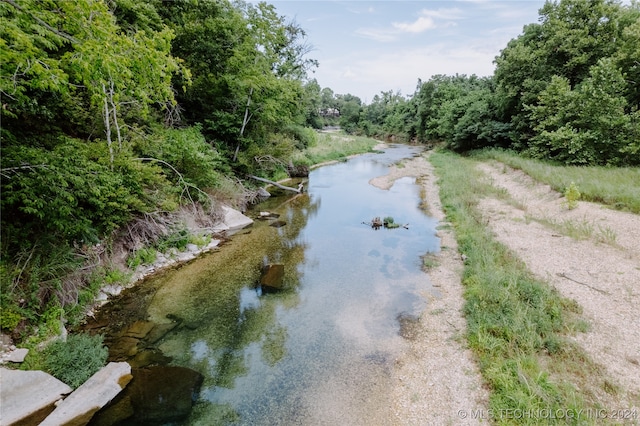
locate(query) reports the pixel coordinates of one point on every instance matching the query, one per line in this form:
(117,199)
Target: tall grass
(618,187)
(334,146)
(517,324)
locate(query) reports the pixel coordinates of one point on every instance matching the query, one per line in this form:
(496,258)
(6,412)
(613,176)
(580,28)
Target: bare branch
(43,23)
(4,172)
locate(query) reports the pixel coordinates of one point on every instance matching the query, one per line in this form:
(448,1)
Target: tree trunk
(298,190)
(245,120)
(107,124)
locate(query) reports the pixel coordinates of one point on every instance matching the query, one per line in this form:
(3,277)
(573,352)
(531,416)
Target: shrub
(304,136)
(75,360)
(144,256)
(572,195)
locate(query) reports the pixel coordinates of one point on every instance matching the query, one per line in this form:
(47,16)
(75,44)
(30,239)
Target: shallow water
(319,352)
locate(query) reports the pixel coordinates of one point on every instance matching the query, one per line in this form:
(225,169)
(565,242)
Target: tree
(587,125)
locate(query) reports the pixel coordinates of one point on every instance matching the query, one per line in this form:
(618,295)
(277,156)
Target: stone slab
(78,408)
(24,394)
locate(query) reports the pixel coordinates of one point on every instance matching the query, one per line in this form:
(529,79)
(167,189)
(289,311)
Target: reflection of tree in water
(226,311)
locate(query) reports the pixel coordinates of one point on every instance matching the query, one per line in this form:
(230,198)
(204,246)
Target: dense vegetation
(115,110)
(567,89)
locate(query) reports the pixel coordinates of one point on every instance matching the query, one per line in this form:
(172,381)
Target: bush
(187,151)
(304,136)
(77,359)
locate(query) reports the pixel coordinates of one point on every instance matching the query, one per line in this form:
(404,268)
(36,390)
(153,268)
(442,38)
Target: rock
(268,215)
(112,289)
(17,355)
(278,223)
(272,275)
(149,357)
(263,194)
(139,329)
(156,395)
(233,220)
(28,397)
(78,408)
(159,331)
(192,248)
(123,348)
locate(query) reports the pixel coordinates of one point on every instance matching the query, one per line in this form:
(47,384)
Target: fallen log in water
(298,190)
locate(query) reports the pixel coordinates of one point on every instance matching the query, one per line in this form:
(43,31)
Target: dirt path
(591,254)
(437,380)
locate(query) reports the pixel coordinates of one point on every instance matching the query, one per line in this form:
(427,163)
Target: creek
(321,350)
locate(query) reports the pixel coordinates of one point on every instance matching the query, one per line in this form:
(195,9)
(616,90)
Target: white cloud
(378,34)
(445,14)
(422,24)
(427,20)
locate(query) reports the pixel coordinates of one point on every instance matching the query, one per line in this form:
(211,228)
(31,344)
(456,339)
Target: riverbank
(567,294)
(438,376)
(590,255)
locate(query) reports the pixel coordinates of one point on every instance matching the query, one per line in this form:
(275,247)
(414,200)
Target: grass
(615,187)
(334,146)
(517,325)
(581,230)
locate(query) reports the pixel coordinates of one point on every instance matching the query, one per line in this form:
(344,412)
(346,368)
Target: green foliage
(304,136)
(187,152)
(334,146)
(9,319)
(68,194)
(572,195)
(179,239)
(587,125)
(77,359)
(143,256)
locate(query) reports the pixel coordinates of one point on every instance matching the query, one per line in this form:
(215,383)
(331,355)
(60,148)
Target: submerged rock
(272,275)
(156,395)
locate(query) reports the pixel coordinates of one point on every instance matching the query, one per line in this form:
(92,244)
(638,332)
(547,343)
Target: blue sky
(365,47)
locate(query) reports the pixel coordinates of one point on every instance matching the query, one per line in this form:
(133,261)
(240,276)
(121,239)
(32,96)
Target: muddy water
(320,351)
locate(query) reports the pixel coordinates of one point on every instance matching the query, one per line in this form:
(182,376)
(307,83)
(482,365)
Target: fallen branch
(299,190)
(563,275)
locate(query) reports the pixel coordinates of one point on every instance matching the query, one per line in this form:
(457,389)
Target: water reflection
(319,351)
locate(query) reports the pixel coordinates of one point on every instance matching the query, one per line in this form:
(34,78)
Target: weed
(144,256)
(75,360)
(606,235)
(199,240)
(578,230)
(430,261)
(572,195)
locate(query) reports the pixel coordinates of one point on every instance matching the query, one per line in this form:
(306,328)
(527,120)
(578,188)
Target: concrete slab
(27,394)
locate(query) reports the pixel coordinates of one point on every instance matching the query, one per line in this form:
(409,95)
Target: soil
(438,381)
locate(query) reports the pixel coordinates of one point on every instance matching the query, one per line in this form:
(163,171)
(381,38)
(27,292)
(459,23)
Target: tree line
(567,89)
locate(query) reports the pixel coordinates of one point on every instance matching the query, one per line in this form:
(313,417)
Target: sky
(366,47)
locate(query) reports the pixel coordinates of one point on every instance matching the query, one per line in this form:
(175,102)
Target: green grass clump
(616,187)
(572,195)
(334,146)
(143,256)
(514,320)
(75,360)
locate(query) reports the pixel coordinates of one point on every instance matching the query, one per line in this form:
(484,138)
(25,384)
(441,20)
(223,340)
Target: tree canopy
(566,89)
